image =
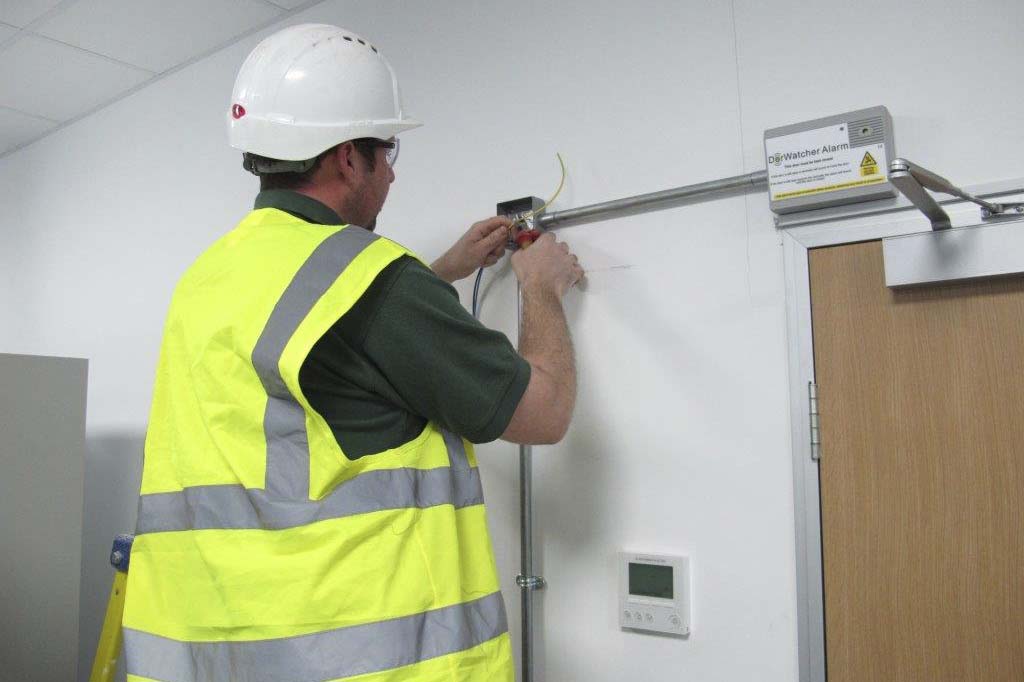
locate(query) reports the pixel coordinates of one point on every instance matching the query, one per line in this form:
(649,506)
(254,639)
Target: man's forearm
(545,343)
(442,270)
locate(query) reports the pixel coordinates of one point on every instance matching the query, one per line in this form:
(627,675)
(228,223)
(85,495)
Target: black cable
(476,292)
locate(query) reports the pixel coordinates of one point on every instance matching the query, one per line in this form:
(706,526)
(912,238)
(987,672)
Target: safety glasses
(391,152)
(390,147)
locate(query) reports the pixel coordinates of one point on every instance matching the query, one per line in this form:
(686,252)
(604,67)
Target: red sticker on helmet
(237,111)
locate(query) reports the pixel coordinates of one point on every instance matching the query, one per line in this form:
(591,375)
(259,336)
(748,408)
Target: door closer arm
(912,181)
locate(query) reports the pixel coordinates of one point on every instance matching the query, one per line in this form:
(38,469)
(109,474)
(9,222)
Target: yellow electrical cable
(526,216)
(558,191)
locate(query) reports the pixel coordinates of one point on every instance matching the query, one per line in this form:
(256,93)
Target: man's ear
(344,161)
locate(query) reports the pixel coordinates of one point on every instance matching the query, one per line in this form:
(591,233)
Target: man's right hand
(547,265)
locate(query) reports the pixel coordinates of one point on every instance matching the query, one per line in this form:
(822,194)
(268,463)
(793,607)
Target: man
(311,508)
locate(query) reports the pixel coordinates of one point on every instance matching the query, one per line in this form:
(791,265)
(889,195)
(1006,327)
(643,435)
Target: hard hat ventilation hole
(361,42)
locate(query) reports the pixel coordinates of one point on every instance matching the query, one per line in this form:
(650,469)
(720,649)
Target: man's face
(374,188)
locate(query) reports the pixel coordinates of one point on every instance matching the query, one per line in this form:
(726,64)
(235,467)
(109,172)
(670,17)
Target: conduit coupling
(534,582)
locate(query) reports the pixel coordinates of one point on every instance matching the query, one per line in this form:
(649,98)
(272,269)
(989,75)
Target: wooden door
(921,396)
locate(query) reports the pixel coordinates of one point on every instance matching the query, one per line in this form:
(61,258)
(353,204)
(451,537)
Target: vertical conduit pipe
(526,511)
(525,578)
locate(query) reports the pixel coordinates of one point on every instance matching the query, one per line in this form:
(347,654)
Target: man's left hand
(481,247)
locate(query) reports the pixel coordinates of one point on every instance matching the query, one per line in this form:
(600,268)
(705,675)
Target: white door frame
(833,228)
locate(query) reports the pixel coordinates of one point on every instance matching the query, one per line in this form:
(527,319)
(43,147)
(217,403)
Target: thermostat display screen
(646,580)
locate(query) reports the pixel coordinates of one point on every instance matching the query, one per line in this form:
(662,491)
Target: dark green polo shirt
(407,352)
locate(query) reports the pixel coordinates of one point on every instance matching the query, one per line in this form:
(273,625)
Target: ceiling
(61,60)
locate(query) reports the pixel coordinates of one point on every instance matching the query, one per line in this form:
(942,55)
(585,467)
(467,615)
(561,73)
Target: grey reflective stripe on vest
(340,653)
(211,507)
(456,451)
(284,422)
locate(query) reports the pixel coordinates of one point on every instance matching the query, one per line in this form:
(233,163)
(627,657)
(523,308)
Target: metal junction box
(830,161)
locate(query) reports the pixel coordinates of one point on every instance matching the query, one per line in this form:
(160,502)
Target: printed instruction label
(821,160)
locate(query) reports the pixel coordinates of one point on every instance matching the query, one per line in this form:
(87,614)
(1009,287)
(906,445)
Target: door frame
(835,227)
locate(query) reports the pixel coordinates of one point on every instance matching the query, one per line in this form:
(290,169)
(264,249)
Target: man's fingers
(488,225)
(498,235)
(490,235)
(494,244)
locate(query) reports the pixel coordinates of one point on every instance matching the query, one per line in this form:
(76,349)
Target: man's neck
(337,202)
(325,198)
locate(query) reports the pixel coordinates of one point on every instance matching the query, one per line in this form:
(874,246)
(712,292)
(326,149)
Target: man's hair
(300,179)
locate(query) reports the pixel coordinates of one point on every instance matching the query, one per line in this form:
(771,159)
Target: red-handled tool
(527,237)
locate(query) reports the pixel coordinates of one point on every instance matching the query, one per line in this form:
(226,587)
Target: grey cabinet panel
(42,436)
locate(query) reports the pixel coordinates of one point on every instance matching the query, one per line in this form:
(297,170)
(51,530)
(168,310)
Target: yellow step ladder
(109,647)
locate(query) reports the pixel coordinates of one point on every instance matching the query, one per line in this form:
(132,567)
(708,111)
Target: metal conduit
(526,580)
(526,556)
(652,201)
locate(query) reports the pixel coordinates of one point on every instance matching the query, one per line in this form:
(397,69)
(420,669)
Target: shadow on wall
(113,471)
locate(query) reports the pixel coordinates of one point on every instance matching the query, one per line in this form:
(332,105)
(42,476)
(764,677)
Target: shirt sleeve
(444,364)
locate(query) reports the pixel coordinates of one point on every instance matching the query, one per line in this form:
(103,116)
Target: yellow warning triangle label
(868,160)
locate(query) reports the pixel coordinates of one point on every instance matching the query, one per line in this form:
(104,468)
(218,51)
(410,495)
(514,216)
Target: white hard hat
(310,87)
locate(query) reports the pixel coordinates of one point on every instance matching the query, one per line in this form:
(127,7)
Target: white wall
(681,440)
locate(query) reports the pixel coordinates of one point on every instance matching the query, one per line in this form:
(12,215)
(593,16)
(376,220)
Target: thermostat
(654,593)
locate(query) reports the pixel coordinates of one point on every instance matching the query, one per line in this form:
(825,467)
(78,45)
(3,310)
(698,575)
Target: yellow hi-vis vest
(262,554)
